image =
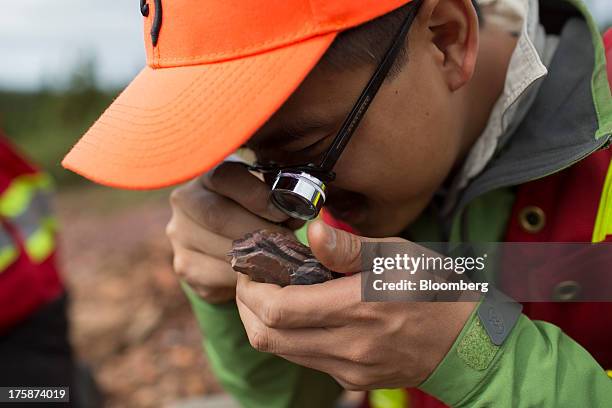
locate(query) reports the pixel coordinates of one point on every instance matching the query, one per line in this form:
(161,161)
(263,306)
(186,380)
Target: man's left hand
(363,345)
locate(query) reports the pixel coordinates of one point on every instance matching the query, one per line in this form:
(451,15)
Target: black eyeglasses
(299,191)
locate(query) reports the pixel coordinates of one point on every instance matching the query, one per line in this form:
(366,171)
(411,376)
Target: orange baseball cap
(216,71)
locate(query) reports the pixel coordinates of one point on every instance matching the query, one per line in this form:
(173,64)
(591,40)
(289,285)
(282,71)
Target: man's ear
(453,28)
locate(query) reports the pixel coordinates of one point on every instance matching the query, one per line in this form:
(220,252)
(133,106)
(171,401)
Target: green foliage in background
(46,123)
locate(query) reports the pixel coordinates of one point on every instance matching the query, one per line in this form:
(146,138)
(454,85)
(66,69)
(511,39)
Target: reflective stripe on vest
(8,250)
(389,398)
(25,204)
(603,222)
(16,198)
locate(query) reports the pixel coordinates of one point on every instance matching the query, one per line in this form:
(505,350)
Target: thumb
(338,250)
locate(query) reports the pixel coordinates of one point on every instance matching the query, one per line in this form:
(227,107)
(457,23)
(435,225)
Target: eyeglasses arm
(354,118)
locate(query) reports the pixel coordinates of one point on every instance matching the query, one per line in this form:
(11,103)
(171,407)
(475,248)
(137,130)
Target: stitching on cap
(258,92)
(190,89)
(176,146)
(187,90)
(171,125)
(174,109)
(110,158)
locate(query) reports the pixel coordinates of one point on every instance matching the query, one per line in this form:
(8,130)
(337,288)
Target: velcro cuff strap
(498,314)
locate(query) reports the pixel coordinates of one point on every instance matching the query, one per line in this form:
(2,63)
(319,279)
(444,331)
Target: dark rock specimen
(273,257)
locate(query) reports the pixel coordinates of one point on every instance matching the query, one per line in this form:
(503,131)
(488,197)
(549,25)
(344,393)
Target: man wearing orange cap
(405,119)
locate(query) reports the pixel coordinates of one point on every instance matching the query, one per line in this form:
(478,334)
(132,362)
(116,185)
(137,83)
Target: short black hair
(368,43)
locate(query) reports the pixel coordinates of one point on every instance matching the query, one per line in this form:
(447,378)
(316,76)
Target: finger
(215,296)
(233,180)
(297,306)
(188,198)
(338,250)
(220,215)
(203,271)
(185,233)
(310,342)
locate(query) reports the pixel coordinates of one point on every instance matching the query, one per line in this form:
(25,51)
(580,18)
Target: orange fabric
(197,32)
(219,70)
(172,124)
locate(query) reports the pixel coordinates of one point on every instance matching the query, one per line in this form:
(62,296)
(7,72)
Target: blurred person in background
(35,349)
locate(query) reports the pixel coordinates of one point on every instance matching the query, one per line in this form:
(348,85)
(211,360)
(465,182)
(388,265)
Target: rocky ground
(130,320)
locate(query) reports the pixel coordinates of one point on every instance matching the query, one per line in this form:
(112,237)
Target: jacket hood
(571,115)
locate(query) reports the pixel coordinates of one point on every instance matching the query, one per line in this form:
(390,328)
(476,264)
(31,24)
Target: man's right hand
(208,213)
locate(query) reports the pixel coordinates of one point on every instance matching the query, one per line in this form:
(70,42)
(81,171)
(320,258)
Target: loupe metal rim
(307,189)
(304,177)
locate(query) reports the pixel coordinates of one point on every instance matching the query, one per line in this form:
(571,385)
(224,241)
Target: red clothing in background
(26,283)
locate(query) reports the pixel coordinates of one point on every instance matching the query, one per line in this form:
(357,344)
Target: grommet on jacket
(566,291)
(532,219)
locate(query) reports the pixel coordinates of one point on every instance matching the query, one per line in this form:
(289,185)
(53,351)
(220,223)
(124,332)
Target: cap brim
(172,124)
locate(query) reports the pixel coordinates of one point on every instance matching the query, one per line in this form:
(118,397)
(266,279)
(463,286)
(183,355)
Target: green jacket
(537,364)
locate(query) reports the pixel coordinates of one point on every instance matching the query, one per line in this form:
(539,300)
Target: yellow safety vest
(25,205)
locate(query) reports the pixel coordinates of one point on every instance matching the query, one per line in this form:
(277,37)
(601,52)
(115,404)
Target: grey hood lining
(559,129)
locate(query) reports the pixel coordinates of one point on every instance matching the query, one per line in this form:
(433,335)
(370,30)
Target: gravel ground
(130,320)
